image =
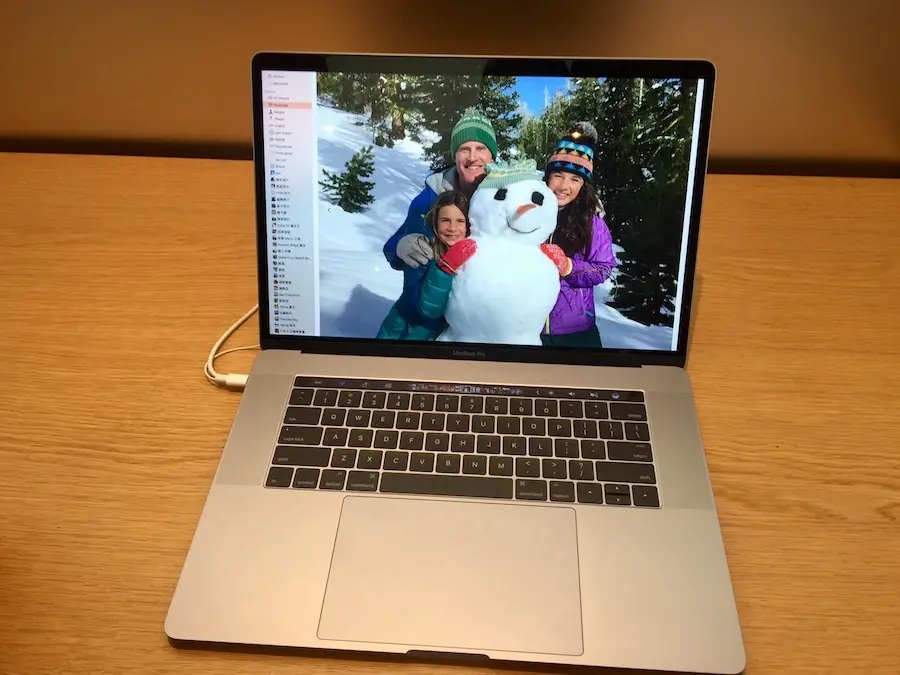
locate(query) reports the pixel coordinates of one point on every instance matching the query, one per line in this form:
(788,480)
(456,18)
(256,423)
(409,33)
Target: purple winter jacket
(574,310)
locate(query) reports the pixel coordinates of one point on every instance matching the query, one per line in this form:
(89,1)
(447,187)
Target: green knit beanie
(474,126)
(502,174)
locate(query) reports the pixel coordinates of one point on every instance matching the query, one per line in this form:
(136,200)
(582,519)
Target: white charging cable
(228,380)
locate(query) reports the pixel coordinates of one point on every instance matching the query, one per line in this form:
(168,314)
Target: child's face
(451,224)
(565,186)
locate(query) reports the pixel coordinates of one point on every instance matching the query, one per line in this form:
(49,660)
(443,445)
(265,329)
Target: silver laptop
(480,451)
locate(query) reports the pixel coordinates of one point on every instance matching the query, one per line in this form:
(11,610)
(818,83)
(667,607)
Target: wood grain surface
(119,273)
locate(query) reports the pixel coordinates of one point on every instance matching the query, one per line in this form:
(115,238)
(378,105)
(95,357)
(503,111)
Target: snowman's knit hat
(501,174)
(474,126)
(575,153)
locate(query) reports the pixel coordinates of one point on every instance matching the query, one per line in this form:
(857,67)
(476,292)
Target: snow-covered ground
(357,286)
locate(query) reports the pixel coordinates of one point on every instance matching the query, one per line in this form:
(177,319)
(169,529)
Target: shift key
(297,435)
(623,472)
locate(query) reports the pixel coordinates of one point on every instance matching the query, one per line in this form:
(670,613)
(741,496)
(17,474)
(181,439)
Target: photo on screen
(614,153)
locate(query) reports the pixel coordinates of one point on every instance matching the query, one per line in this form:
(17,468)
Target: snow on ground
(357,286)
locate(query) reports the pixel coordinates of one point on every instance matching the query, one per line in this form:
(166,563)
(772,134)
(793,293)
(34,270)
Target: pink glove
(555,253)
(453,259)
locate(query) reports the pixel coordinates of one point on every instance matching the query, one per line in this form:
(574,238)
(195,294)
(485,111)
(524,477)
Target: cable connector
(235,381)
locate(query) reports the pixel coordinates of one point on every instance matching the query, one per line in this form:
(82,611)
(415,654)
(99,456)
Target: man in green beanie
(474,145)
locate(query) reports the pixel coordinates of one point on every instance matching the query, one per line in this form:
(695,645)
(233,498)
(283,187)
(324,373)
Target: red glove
(555,253)
(453,259)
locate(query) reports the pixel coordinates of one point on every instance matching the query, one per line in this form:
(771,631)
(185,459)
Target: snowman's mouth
(516,229)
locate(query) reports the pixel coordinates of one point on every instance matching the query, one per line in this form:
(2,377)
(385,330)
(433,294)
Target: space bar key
(446,486)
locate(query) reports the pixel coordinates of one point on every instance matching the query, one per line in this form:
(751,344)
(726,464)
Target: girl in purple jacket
(581,245)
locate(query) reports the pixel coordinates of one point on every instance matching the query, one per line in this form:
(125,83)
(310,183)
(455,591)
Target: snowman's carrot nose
(525,208)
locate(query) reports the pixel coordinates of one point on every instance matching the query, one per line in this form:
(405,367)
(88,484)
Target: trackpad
(445,575)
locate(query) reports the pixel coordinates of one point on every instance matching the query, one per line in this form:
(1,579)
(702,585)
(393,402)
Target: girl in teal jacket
(419,312)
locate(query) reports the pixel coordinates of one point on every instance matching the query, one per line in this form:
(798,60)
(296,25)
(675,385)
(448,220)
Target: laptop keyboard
(584,446)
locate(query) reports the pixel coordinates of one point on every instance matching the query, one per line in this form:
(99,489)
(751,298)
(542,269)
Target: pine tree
(350,190)
(444,99)
(499,101)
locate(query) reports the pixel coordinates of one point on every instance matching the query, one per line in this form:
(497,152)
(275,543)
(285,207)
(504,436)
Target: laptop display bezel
(481,65)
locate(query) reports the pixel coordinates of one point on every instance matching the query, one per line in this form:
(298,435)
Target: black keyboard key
(350,399)
(296,415)
(448,463)
(509,425)
(444,485)
(618,472)
(447,403)
(571,409)
(306,479)
(458,423)
(483,424)
(408,420)
(432,421)
(384,419)
(595,410)
(500,466)
(362,481)
(554,468)
(374,399)
(581,469)
(360,438)
(279,476)
(616,496)
(359,418)
(297,455)
(332,479)
(335,437)
(623,451)
(369,459)
(423,402)
(521,406)
(422,461)
(534,490)
(528,467)
(611,431)
(397,401)
(474,465)
(343,458)
(562,492)
(437,442)
(645,495)
(334,417)
(635,412)
(386,439)
(566,447)
(546,408)
(462,443)
(593,450)
(514,445)
(488,445)
(471,404)
(301,435)
(589,493)
(301,397)
(584,429)
(325,398)
(496,405)
(396,460)
(637,431)
(412,440)
(540,447)
(559,427)
(534,426)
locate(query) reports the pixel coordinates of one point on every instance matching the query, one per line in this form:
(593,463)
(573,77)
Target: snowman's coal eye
(501,194)
(537,198)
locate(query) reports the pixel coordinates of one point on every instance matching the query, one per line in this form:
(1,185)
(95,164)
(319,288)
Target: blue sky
(535,92)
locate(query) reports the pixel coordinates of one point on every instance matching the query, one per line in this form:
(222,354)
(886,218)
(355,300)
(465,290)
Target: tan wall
(801,79)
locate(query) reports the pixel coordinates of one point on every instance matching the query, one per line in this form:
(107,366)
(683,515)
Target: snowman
(504,291)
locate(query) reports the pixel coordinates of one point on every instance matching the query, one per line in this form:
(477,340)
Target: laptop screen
(540,211)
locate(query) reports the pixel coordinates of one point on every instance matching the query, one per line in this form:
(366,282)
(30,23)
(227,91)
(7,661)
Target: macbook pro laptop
(386,490)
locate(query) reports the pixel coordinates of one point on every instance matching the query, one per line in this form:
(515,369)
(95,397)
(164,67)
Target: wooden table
(119,273)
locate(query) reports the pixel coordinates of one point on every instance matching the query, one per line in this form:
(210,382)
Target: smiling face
(451,224)
(565,186)
(471,159)
(524,211)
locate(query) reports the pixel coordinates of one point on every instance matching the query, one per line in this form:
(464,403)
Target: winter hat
(474,126)
(575,152)
(502,174)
